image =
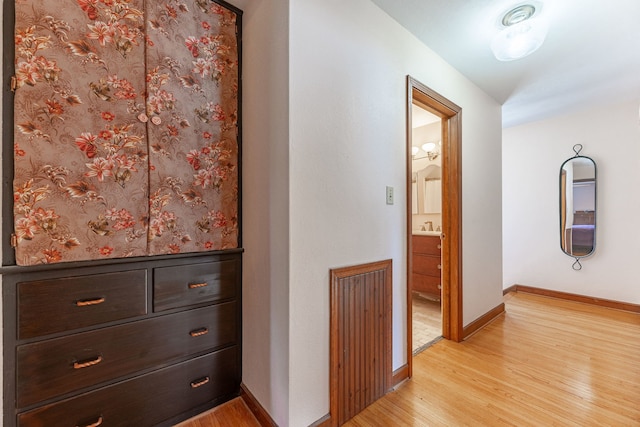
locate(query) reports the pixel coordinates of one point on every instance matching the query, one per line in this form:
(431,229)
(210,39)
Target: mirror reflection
(578,206)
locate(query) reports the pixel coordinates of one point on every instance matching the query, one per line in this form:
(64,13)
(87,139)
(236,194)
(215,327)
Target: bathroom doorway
(426,227)
(450,183)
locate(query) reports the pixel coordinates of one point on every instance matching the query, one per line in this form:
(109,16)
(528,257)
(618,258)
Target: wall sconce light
(431,149)
(523,34)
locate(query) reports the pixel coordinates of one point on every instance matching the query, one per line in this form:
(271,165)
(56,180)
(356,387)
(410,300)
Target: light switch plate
(389,195)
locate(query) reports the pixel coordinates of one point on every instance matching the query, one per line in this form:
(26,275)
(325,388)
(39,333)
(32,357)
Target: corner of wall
(266,205)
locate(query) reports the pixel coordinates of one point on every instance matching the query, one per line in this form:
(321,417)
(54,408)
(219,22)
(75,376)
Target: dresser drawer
(149,399)
(53,367)
(427,284)
(428,245)
(426,264)
(63,304)
(184,285)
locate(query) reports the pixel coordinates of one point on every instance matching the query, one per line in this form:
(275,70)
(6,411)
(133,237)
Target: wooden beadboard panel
(360,335)
(399,376)
(618,305)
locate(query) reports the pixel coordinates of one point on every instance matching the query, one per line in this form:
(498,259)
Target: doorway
(426,228)
(451,209)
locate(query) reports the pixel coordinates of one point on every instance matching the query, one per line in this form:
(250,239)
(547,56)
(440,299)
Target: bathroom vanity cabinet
(427,265)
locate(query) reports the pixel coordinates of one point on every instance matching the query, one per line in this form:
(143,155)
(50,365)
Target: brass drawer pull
(439,286)
(87,363)
(439,246)
(87,302)
(200,383)
(439,267)
(197,285)
(96,424)
(199,332)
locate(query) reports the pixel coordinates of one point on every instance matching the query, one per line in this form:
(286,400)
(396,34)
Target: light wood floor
(234,413)
(546,362)
(427,321)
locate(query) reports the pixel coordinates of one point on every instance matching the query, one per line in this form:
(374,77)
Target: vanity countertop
(425,233)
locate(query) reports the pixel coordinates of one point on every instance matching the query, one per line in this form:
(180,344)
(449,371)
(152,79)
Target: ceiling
(421,117)
(591,54)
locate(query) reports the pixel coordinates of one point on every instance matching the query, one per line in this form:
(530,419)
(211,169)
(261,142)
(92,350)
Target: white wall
(532,155)
(265,203)
(348,67)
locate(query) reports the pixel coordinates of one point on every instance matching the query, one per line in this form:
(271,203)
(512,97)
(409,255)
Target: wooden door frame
(451,115)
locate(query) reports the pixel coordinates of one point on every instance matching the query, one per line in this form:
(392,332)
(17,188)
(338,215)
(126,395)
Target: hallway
(546,362)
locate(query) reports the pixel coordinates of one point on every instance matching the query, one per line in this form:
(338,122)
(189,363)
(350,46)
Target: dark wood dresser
(427,265)
(122,184)
(141,342)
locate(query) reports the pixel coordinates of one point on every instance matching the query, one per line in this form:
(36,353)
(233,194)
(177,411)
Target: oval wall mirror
(578,205)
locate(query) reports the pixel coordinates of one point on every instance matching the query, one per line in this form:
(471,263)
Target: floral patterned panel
(125,129)
(192,107)
(81,157)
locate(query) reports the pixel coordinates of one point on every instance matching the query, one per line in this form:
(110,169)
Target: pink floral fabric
(125,140)
(192,84)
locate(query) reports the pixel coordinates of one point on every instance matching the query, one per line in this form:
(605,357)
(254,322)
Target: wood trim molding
(512,288)
(452,208)
(322,422)
(618,305)
(256,408)
(399,375)
(483,320)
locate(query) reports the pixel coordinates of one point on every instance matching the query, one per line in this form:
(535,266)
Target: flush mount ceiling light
(519,14)
(522,34)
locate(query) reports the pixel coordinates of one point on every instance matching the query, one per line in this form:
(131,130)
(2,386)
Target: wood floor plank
(233,413)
